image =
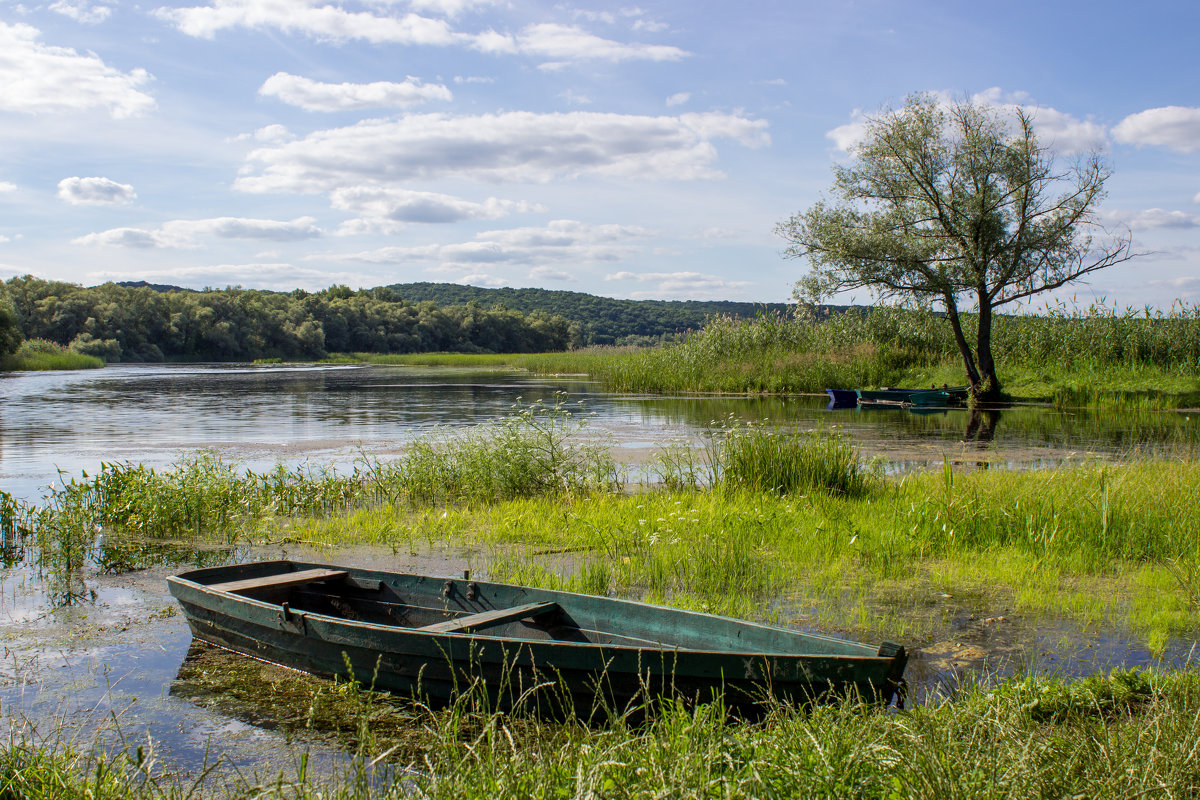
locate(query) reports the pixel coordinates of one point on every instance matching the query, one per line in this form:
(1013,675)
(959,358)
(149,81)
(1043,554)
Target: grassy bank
(1124,736)
(761,522)
(39,355)
(1093,357)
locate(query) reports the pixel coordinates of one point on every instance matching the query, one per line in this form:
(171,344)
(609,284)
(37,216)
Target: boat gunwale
(871,652)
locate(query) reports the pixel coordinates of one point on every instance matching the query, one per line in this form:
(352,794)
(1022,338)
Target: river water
(119,658)
(56,424)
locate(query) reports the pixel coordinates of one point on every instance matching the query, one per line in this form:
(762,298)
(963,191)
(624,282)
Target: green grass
(41,355)
(1121,736)
(1098,357)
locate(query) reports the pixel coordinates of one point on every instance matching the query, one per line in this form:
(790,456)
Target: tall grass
(1122,736)
(1096,356)
(43,355)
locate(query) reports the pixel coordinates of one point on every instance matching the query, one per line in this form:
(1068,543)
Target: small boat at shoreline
(842,398)
(945,396)
(430,637)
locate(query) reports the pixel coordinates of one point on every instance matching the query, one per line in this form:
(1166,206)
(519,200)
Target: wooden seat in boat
(490,619)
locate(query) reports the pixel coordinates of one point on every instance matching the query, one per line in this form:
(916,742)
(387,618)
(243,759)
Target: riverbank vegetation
(39,354)
(1100,356)
(759,521)
(141,324)
(1119,736)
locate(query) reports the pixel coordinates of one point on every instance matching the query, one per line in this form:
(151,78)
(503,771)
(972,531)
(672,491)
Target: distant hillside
(604,320)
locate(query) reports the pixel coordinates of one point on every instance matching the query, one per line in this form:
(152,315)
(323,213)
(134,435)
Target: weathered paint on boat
(590,649)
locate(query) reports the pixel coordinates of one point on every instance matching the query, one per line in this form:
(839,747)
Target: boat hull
(552,669)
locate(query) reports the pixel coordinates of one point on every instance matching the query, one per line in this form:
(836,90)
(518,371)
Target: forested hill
(604,320)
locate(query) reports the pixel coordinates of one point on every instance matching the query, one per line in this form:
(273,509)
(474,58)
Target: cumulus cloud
(383,210)
(314,96)
(679,284)
(561,242)
(679,98)
(81,11)
(184,233)
(5,186)
(1151,218)
(95,192)
(514,146)
(1173,127)
(262,275)
(1067,134)
(563,43)
(39,78)
(324,22)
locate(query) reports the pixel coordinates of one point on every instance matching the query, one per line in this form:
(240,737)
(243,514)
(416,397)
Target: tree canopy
(946,205)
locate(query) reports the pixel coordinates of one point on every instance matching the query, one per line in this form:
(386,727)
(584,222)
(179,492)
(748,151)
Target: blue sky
(645,150)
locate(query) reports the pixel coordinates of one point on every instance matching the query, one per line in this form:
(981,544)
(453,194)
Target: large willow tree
(957,207)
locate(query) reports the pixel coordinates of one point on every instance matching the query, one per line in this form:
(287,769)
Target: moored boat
(842,398)
(431,636)
(945,396)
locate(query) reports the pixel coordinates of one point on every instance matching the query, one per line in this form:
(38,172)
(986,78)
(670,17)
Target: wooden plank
(490,619)
(279,581)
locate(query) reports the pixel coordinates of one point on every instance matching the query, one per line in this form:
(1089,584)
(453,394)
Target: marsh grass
(44,355)
(1099,356)
(1129,734)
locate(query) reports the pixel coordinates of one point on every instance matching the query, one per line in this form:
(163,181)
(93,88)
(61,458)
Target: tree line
(601,320)
(139,322)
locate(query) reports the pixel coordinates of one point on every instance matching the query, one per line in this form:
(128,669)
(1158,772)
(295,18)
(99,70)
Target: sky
(639,151)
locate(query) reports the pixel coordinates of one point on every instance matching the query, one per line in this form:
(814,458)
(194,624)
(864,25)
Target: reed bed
(44,355)
(1098,356)
(1118,736)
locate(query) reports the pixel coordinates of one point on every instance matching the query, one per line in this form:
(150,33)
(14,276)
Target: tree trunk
(989,390)
(961,340)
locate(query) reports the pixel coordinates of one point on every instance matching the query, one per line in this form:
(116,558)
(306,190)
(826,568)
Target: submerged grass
(1119,736)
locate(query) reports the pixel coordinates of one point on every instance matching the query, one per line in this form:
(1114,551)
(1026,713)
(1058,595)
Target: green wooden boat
(430,637)
(946,396)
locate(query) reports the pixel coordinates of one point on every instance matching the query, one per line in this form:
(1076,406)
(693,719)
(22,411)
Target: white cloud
(482,279)
(265,275)
(314,96)
(1196,199)
(561,243)
(1151,218)
(5,186)
(383,210)
(549,274)
(565,43)
(514,146)
(460,79)
(184,233)
(324,22)
(4,239)
(679,284)
(448,8)
(271,134)
(1173,127)
(95,192)
(81,11)
(679,98)
(38,78)
(334,23)
(1062,131)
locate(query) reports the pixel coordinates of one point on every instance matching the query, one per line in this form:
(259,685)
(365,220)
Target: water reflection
(263,415)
